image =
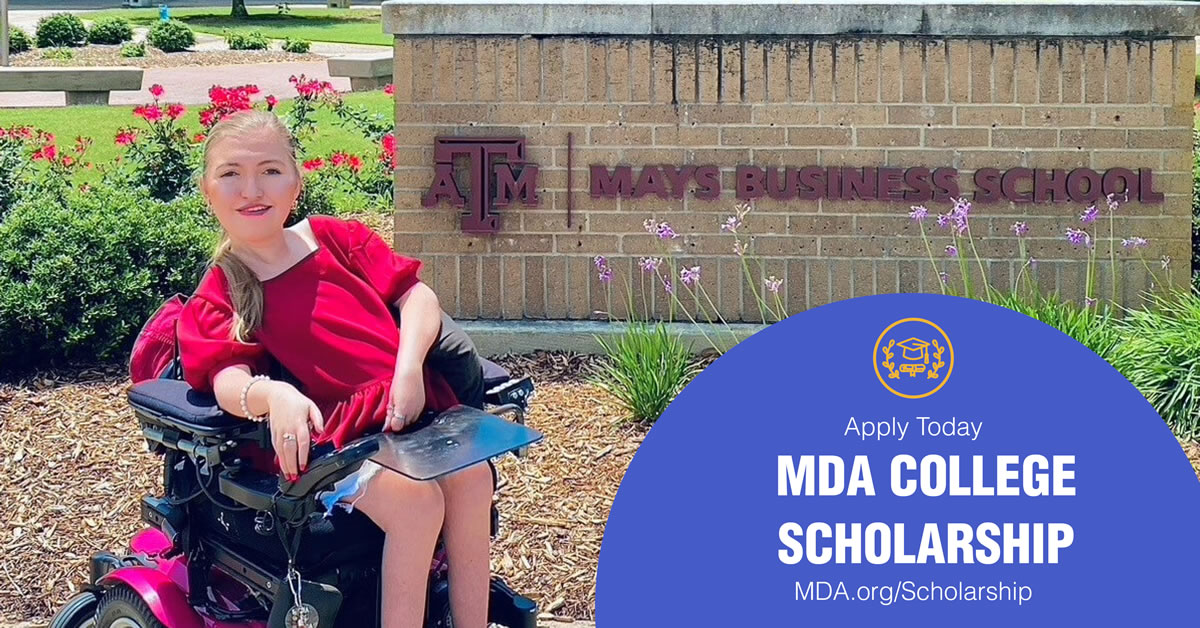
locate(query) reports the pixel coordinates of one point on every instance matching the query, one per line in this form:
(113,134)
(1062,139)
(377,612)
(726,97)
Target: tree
(239,9)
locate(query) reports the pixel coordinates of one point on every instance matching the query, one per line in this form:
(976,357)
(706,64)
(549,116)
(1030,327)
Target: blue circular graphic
(748,503)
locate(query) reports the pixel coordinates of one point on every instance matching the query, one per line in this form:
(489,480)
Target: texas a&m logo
(497,174)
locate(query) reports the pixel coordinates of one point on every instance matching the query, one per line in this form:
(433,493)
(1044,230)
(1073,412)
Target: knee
(475,480)
(400,504)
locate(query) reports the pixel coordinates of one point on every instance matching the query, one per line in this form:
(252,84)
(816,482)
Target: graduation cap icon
(915,349)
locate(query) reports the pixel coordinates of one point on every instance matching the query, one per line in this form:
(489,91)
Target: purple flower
(649,264)
(670,288)
(1020,228)
(739,248)
(1135,243)
(958,215)
(665,232)
(606,274)
(962,208)
(650,226)
(1089,216)
(1113,203)
(944,277)
(731,224)
(1079,237)
(690,276)
(951,250)
(1033,263)
(919,213)
(943,221)
(600,262)
(773,284)
(1088,302)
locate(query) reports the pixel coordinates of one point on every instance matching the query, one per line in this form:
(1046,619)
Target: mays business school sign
(485,175)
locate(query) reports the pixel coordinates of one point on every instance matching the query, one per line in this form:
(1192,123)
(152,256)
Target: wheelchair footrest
(508,608)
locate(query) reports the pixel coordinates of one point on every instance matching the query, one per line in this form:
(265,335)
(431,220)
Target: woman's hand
(290,413)
(407,400)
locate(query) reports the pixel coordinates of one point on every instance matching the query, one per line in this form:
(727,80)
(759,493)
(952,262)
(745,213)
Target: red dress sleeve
(206,345)
(390,274)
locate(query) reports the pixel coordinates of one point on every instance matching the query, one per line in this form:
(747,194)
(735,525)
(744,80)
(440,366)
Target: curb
(516,337)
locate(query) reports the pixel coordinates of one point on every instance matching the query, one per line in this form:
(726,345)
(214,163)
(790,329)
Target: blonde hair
(245,289)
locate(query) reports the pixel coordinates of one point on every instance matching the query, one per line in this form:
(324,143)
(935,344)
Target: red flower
(314,164)
(49,152)
(271,102)
(356,163)
(67,160)
(82,144)
(389,89)
(125,138)
(150,114)
(208,117)
(388,153)
(156,90)
(175,111)
(339,159)
(200,137)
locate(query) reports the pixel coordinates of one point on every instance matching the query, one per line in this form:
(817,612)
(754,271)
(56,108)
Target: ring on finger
(289,438)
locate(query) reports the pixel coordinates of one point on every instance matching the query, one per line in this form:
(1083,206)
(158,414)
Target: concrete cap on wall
(1037,18)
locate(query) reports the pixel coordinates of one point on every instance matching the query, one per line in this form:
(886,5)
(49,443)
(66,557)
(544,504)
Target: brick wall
(967,104)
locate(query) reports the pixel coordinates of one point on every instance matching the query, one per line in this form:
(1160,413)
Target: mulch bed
(76,468)
(96,55)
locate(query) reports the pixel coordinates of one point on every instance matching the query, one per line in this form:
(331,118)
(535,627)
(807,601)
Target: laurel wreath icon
(887,362)
(937,360)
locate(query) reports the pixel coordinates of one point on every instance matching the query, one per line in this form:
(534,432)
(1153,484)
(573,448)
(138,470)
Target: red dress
(327,320)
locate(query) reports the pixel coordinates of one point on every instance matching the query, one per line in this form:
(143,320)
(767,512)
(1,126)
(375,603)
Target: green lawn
(329,25)
(101,124)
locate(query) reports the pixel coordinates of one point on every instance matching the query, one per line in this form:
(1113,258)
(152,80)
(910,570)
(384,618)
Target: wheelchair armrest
(322,470)
(265,491)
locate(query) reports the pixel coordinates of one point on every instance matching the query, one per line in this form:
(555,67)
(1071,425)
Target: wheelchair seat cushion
(177,404)
(493,374)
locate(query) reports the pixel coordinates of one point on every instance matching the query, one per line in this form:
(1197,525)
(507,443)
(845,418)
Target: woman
(316,297)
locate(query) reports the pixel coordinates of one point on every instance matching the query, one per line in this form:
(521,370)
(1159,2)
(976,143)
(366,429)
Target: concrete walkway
(189,85)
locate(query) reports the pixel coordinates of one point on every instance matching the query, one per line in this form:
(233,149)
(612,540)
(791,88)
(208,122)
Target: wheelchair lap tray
(177,404)
(453,440)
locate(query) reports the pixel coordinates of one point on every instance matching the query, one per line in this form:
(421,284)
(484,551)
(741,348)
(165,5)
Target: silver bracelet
(245,393)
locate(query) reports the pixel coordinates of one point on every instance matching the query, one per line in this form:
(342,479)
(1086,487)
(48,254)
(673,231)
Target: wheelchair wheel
(121,607)
(78,612)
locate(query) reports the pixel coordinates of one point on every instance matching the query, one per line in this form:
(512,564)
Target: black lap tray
(173,402)
(455,439)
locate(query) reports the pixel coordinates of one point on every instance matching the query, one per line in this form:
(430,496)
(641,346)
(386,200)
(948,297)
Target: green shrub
(78,279)
(645,369)
(171,36)
(315,198)
(240,40)
(134,50)
(1195,204)
(61,29)
(1160,355)
(19,41)
(296,46)
(12,161)
(58,54)
(110,30)
(1094,327)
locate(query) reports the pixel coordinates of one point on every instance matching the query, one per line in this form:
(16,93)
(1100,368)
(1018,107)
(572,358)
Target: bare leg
(468,499)
(410,513)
